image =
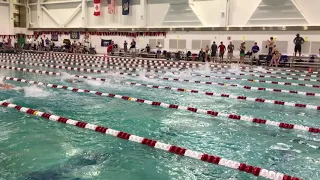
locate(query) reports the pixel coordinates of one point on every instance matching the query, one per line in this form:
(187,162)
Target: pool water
(35,148)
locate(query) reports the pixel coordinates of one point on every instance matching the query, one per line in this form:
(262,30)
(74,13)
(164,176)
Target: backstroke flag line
(96,7)
(125,7)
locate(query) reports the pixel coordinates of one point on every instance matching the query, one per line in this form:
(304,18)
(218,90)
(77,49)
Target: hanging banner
(74,35)
(54,37)
(125,7)
(96,7)
(105,42)
(111,7)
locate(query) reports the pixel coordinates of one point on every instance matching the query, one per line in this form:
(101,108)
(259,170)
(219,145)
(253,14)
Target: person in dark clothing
(42,44)
(133,48)
(148,48)
(222,49)
(125,48)
(255,53)
(201,57)
(298,41)
(230,52)
(214,49)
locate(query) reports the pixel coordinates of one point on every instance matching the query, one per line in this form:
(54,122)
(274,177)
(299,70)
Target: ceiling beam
(61,2)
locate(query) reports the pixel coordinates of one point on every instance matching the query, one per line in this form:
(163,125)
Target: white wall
(61,12)
(212,36)
(241,10)
(4,20)
(310,9)
(208,11)
(156,12)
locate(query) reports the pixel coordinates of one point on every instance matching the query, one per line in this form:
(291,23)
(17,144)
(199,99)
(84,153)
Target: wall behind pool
(207,37)
(151,13)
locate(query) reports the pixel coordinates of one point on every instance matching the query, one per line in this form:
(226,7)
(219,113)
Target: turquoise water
(35,148)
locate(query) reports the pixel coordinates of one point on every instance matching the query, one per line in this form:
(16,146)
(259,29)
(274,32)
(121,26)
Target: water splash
(70,150)
(94,83)
(260,69)
(34,91)
(66,76)
(235,69)
(206,68)
(1,79)
(142,76)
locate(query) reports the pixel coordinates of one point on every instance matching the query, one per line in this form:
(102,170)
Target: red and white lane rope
(125,60)
(91,57)
(212,66)
(213,159)
(167,79)
(282,125)
(30,70)
(225,84)
(70,68)
(282,73)
(290,70)
(243,98)
(264,76)
(161,66)
(109,63)
(183,80)
(222,66)
(227,78)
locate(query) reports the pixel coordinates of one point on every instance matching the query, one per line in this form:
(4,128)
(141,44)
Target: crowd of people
(273,56)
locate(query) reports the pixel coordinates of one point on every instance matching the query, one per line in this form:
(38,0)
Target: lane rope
(108,63)
(243,98)
(121,58)
(183,80)
(282,125)
(213,159)
(92,57)
(168,79)
(164,64)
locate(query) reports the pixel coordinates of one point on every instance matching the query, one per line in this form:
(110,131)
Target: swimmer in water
(73,80)
(6,86)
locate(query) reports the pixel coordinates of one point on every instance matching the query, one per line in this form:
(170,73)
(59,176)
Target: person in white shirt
(86,43)
(159,48)
(29,41)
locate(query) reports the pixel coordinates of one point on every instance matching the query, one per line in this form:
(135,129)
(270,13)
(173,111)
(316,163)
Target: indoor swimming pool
(230,112)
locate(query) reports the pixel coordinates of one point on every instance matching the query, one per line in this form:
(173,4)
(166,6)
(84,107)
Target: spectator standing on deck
(222,49)
(255,53)
(200,55)
(230,52)
(214,49)
(148,48)
(207,53)
(242,52)
(133,48)
(125,48)
(298,41)
(159,48)
(42,44)
(270,45)
(47,43)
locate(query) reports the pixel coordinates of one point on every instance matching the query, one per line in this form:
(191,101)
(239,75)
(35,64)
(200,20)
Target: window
(180,44)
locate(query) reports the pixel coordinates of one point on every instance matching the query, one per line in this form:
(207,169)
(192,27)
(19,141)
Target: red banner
(97,4)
